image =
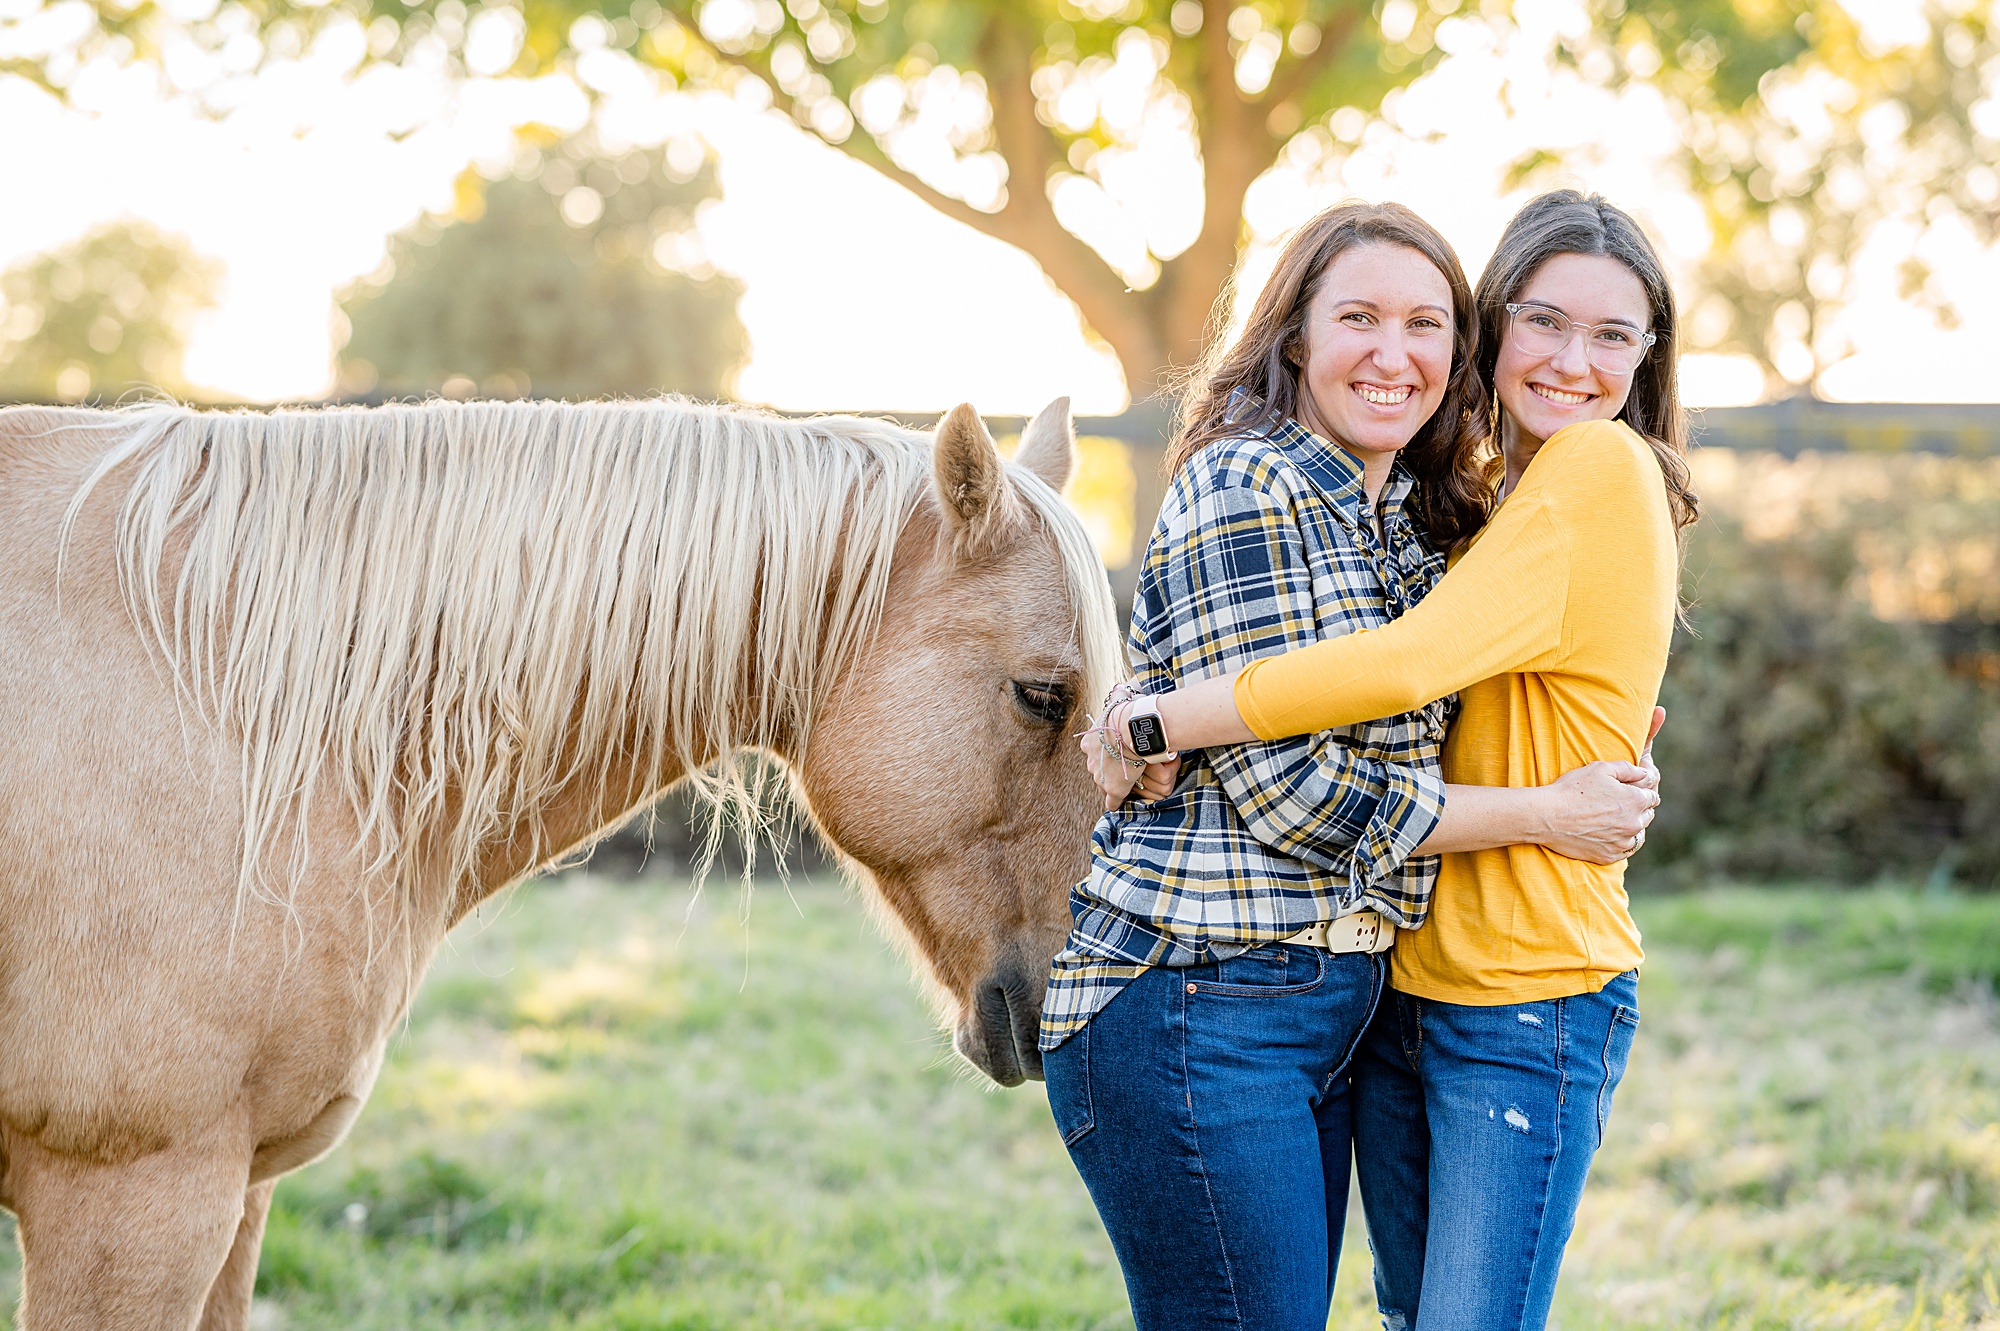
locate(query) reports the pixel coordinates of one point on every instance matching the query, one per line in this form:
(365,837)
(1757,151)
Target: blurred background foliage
(1834,699)
(1805,133)
(105,314)
(580,274)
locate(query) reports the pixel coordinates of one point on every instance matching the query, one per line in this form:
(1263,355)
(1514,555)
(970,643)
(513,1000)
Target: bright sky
(857,294)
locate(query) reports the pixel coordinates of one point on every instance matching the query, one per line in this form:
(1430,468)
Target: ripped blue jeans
(1474,1129)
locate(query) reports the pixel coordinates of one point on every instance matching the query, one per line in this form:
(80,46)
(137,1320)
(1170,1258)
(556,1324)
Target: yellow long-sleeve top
(1553,626)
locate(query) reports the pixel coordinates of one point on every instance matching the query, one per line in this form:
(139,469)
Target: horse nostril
(997,1039)
(1024,1004)
(1001,1027)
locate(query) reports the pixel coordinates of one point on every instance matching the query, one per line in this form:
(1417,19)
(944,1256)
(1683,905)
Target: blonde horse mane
(453,611)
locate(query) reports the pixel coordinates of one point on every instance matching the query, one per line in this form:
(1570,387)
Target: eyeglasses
(1612,348)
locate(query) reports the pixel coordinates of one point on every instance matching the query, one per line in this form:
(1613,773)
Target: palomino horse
(286,696)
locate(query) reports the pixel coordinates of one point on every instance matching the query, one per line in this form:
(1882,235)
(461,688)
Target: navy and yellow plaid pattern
(1264,543)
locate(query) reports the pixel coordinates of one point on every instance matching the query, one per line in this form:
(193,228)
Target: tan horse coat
(241,801)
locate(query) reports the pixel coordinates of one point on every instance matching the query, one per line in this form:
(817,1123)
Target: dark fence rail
(1790,427)
(1797,425)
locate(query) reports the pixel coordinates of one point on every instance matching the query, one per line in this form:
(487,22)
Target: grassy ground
(1809,1135)
(612,1111)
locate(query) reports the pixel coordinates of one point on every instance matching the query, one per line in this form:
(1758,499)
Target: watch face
(1147,736)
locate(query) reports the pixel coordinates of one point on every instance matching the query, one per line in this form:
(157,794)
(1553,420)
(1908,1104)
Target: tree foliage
(1025,120)
(578,276)
(102,315)
(1020,118)
(1808,132)
(1806,136)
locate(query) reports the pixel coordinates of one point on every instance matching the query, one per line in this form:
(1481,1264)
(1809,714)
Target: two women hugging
(1400,630)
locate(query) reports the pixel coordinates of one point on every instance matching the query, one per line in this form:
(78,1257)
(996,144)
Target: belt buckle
(1363,931)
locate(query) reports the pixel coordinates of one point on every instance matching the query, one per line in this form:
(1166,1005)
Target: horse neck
(582,810)
(605,792)
(711,678)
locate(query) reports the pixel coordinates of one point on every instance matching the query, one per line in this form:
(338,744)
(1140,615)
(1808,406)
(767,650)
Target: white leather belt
(1363,931)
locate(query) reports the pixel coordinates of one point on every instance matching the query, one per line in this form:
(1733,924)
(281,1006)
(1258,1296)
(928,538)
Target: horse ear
(1048,445)
(966,463)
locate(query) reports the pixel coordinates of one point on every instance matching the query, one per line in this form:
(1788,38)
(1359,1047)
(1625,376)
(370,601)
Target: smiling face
(1378,342)
(1542,391)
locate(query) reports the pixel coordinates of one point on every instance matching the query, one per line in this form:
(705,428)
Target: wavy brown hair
(1452,497)
(1565,221)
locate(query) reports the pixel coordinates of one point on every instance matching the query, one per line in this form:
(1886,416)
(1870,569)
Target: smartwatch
(1145,736)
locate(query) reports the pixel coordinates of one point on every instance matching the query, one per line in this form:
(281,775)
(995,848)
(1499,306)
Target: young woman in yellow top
(1482,1085)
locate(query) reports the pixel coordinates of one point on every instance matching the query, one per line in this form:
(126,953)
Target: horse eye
(1047,703)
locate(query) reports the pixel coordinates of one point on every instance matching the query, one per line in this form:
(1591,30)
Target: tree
(1017,118)
(1806,136)
(579,276)
(1012,116)
(101,315)
(1026,119)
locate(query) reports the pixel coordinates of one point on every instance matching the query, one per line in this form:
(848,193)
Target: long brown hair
(1452,497)
(1567,222)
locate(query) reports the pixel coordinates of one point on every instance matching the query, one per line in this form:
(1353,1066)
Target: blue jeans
(1474,1129)
(1207,1109)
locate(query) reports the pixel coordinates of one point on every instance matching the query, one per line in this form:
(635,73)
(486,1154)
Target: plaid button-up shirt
(1264,543)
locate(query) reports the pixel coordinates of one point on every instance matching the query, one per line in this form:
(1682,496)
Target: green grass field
(615,1109)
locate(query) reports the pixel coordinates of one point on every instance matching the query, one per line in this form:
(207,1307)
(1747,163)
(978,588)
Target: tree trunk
(1237,146)
(1159,331)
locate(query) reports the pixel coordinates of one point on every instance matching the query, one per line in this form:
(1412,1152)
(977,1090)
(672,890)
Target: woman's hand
(1646,754)
(1198,715)
(1599,813)
(1114,776)
(1160,779)
(1120,781)
(1117,775)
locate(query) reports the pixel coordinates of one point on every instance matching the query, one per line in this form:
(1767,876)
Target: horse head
(945,764)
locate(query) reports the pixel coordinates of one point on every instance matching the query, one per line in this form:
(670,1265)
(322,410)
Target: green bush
(1833,699)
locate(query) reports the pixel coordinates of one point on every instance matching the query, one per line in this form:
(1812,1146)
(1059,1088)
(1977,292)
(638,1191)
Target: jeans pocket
(1066,1074)
(1264,972)
(1617,1050)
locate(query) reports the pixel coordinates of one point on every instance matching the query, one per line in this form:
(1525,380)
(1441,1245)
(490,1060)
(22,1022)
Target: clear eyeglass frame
(1547,340)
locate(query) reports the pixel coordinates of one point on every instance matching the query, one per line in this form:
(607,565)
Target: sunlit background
(291,162)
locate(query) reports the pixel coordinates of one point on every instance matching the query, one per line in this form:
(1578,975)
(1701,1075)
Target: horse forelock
(446,613)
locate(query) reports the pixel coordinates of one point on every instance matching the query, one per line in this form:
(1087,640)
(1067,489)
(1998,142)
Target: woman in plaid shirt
(1227,950)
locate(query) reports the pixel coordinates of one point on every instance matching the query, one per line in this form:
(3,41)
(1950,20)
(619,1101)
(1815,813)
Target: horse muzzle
(1001,1025)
